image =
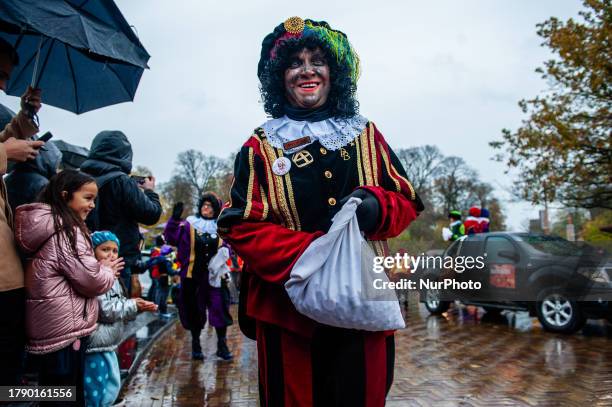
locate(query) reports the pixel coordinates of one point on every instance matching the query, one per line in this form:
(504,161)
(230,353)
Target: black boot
(222,350)
(196,348)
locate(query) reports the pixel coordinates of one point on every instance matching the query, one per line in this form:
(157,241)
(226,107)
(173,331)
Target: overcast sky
(448,73)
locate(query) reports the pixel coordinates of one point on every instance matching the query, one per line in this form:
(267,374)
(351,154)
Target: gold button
(323,151)
(328,174)
(331,201)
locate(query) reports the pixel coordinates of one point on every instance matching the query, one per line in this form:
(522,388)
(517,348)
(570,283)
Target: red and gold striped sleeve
(399,202)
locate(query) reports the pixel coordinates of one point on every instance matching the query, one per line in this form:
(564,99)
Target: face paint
(307,81)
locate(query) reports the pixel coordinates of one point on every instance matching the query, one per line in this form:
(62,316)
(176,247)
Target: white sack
(217,267)
(446,234)
(326,281)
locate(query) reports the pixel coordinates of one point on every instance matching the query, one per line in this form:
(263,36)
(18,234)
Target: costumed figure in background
(291,176)
(234,263)
(456,229)
(161,267)
(197,243)
(472,222)
(484,220)
(155,252)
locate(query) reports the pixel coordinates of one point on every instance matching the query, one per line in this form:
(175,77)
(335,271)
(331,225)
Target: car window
(554,245)
(453,250)
(494,245)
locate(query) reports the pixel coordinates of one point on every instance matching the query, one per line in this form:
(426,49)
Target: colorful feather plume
(338,44)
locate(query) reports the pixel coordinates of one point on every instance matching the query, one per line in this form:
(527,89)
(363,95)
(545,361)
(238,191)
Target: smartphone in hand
(45,137)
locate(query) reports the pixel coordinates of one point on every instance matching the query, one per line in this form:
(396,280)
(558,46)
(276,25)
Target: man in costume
(484,220)
(197,243)
(472,222)
(456,226)
(291,176)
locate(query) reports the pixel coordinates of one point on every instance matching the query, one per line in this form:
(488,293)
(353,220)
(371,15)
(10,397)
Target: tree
(422,164)
(223,183)
(597,231)
(497,219)
(142,171)
(479,194)
(178,189)
(562,150)
(452,187)
(199,170)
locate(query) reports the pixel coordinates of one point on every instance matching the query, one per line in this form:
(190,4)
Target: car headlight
(595,274)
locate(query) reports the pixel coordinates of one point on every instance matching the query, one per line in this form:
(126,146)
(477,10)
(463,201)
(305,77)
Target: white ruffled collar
(203,225)
(332,133)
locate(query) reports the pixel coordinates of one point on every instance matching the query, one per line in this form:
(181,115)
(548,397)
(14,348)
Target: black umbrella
(72,155)
(83,54)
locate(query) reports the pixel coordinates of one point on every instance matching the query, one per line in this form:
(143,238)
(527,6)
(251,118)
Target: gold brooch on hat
(294,25)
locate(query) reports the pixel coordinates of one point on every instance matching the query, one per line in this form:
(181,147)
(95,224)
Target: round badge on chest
(281,166)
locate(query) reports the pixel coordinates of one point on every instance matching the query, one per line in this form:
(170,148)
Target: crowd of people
(70,246)
(291,177)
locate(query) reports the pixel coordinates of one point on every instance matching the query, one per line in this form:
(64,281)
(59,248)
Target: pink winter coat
(61,303)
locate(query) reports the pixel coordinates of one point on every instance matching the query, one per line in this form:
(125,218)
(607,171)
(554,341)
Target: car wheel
(557,313)
(433,303)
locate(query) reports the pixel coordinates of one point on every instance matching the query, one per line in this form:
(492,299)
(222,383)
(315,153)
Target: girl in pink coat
(62,277)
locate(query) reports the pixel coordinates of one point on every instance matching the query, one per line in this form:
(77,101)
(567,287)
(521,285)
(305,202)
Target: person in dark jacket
(27,179)
(123,203)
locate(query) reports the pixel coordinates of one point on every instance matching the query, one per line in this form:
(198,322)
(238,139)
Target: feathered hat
(295,28)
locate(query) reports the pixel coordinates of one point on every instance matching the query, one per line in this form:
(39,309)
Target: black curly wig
(214,200)
(342,100)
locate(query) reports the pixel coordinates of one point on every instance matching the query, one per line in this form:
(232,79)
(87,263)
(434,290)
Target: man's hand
(367,212)
(31,100)
(21,150)
(149,183)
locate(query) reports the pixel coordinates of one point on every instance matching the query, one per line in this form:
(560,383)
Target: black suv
(561,282)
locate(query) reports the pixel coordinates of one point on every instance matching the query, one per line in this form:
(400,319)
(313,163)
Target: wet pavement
(139,335)
(463,358)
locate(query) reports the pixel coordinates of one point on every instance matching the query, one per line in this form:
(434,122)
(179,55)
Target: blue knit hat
(98,238)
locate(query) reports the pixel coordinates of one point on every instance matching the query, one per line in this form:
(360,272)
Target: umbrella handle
(29,109)
(35,71)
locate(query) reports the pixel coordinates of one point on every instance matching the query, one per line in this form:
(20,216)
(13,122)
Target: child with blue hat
(102,380)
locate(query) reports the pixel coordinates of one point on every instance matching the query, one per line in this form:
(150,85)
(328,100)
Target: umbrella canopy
(85,54)
(72,155)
